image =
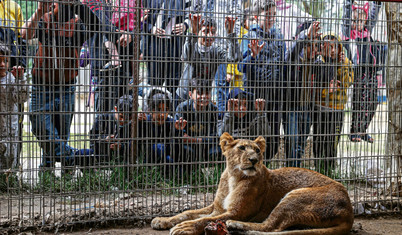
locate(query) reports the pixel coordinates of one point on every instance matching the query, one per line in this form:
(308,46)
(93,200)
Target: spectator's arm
(188,47)
(22,51)
(297,47)
(23,91)
(20,41)
(29,27)
(247,65)
(232,54)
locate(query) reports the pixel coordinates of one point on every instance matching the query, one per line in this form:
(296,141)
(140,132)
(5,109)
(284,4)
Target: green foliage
(27,7)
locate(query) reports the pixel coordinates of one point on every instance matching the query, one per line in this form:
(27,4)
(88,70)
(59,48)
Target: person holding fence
(110,134)
(330,96)
(13,91)
(196,120)
(245,116)
(156,127)
(263,65)
(163,41)
(357,27)
(61,29)
(201,55)
(299,98)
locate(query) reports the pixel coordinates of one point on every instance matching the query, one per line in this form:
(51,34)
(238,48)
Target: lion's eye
(257,150)
(242,147)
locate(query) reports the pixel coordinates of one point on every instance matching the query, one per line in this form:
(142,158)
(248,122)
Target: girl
(357,27)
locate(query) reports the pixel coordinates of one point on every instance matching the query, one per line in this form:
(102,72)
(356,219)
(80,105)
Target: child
(299,101)
(330,89)
(202,57)
(156,128)
(359,22)
(241,120)
(12,92)
(111,133)
(263,51)
(196,119)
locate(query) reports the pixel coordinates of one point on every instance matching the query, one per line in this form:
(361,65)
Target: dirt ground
(390,225)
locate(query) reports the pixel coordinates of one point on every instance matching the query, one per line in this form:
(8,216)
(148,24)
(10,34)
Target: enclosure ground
(388,224)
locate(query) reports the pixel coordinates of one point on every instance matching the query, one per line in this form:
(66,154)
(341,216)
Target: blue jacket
(264,75)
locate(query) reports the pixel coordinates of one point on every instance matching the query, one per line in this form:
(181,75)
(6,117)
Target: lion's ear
(225,139)
(260,141)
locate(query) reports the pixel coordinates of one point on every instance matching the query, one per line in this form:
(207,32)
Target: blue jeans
(222,88)
(51,114)
(297,123)
(158,153)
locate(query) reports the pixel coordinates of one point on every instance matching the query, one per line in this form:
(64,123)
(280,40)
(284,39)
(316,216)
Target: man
(60,33)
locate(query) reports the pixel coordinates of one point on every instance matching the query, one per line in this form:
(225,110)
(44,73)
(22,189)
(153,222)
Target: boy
(330,89)
(111,133)
(202,57)
(241,120)
(12,92)
(157,128)
(196,119)
(263,52)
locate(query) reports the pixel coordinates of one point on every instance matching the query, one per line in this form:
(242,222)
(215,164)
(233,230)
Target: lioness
(251,197)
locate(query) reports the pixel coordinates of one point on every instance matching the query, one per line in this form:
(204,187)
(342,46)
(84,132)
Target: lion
(253,199)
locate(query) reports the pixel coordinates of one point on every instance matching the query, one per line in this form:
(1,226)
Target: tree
(394,83)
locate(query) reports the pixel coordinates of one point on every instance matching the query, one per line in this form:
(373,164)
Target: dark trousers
(327,132)
(364,102)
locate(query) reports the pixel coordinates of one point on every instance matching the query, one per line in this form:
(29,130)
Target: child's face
(207,35)
(3,65)
(330,49)
(160,115)
(266,19)
(240,108)
(358,20)
(201,99)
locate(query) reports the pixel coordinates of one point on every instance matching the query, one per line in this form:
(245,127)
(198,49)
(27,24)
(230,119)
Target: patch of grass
(10,183)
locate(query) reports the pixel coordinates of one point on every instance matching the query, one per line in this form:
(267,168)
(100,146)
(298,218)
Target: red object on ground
(216,228)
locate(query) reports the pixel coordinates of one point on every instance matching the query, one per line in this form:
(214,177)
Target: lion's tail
(337,230)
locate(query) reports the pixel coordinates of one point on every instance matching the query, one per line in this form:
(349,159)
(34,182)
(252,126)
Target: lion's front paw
(188,227)
(234,225)
(161,223)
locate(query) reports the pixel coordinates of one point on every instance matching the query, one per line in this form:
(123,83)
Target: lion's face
(242,155)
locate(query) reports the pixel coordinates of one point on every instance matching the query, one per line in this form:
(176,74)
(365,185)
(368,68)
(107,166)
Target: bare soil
(388,224)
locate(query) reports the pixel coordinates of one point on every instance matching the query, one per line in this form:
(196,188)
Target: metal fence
(118,111)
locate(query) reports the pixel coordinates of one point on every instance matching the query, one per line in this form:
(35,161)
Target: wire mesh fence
(112,109)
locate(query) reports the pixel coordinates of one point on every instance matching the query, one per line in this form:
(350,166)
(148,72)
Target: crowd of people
(242,67)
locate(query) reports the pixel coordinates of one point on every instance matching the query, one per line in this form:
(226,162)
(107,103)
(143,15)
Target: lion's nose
(253,160)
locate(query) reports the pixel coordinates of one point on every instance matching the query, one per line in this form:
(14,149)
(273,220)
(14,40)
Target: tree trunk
(394,85)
